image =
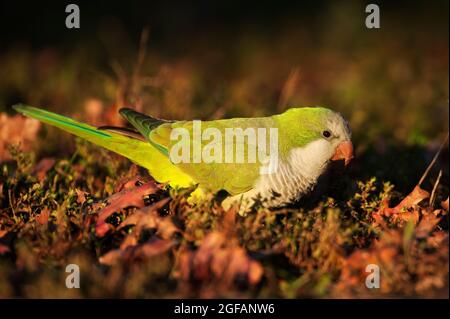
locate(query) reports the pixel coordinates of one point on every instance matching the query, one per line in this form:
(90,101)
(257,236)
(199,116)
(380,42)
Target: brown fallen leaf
(130,183)
(437,239)
(427,224)
(132,179)
(14,130)
(81,196)
(211,244)
(131,197)
(414,198)
(43,216)
(149,249)
(43,167)
(221,259)
(148,218)
(382,253)
(400,212)
(404,267)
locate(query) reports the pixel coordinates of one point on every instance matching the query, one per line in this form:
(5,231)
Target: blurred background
(210,60)
(213,59)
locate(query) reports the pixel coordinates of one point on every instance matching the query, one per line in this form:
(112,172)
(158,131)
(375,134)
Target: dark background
(216,59)
(41,23)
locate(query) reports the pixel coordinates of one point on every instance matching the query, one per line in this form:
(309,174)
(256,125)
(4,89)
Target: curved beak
(344,151)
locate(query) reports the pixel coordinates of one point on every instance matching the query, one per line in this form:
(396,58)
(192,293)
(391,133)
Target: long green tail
(140,152)
(117,143)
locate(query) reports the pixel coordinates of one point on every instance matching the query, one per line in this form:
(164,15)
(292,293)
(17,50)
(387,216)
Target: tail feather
(65,123)
(140,152)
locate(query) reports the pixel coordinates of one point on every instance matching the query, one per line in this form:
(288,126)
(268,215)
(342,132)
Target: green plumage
(296,128)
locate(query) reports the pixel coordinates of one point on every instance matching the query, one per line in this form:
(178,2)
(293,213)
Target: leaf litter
(52,214)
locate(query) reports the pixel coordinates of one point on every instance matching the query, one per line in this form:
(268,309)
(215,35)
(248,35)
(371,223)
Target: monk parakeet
(307,139)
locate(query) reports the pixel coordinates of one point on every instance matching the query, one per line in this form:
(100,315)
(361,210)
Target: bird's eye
(326,134)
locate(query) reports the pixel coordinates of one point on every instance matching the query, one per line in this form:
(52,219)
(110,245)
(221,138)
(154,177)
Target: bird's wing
(235,178)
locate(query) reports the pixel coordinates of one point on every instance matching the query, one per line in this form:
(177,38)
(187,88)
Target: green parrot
(307,139)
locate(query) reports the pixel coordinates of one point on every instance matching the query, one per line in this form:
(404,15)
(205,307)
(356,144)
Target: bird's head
(336,133)
(322,134)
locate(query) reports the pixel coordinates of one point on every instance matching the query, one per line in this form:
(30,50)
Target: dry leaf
(130,253)
(437,239)
(400,212)
(81,196)
(427,225)
(132,197)
(130,180)
(43,167)
(43,216)
(148,218)
(14,130)
(219,258)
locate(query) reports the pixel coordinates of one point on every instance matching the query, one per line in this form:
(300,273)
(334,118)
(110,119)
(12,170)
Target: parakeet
(308,138)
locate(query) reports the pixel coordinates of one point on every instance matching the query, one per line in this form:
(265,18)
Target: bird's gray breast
(294,176)
(287,184)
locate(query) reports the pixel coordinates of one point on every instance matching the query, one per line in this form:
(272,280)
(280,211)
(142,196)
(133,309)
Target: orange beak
(344,151)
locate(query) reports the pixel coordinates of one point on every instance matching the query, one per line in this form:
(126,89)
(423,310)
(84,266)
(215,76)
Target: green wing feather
(235,178)
(143,123)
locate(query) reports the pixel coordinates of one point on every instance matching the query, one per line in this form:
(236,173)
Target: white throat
(297,174)
(310,160)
